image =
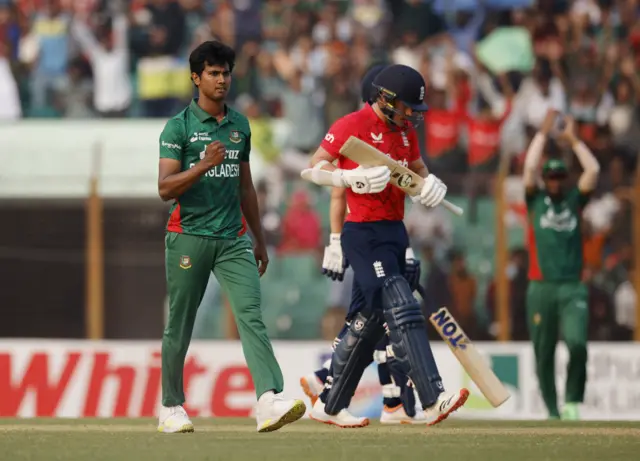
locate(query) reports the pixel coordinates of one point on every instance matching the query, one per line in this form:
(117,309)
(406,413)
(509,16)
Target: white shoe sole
(364,423)
(388,422)
(184,429)
(296,412)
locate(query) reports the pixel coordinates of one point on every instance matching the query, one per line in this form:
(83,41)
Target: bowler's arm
(172,182)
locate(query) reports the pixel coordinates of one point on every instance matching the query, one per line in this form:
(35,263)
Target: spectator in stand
(626,303)
(483,132)
(301,228)
(74,100)
(436,281)
(442,129)
(602,324)
(9,29)
(108,54)
(538,93)
(518,283)
(10,108)
(464,289)
(47,52)
(158,36)
(370,16)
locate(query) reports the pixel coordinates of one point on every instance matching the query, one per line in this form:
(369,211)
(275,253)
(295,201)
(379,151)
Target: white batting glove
(366,180)
(333,263)
(432,192)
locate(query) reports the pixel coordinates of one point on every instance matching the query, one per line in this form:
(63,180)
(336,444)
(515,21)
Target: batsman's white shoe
(397,415)
(343,419)
(274,412)
(311,386)
(447,403)
(174,420)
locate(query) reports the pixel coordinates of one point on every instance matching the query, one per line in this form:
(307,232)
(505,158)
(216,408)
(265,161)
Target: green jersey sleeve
(579,198)
(172,140)
(247,149)
(530,197)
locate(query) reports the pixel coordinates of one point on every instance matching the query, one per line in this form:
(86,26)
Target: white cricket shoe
(273,411)
(311,386)
(173,420)
(398,415)
(343,419)
(446,404)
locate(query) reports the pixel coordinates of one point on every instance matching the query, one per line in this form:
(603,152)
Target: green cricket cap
(554,167)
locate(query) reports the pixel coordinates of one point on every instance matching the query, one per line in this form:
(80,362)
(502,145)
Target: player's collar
(204,116)
(368,108)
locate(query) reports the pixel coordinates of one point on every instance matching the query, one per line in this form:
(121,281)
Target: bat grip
(455,209)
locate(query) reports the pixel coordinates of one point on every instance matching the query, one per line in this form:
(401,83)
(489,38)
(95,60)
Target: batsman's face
(214,82)
(404,114)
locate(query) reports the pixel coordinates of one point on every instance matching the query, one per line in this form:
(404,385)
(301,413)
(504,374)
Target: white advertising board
(123,379)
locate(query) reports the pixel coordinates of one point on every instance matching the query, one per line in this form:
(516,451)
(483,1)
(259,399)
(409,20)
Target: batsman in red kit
(374,241)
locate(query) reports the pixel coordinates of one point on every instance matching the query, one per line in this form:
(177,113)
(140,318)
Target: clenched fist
(214,154)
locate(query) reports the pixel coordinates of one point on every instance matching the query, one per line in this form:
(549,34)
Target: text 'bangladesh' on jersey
(555,236)
(211,207)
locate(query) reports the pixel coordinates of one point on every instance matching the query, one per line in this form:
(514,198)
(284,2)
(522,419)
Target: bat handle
(455,209)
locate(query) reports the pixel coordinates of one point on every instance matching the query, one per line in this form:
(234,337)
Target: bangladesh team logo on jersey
(235,137)
(185,262)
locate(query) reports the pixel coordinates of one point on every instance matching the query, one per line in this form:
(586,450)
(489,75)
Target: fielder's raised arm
(590,166)
(533,156)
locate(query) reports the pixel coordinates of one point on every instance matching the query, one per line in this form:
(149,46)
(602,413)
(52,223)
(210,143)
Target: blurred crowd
(493,68)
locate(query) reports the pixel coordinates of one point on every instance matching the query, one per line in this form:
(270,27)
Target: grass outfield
(236,439)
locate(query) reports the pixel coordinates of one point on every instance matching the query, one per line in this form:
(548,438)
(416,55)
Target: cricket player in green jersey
(204,169)
(557,299)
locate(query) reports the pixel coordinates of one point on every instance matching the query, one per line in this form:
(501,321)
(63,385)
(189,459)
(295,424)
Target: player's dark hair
(212,53)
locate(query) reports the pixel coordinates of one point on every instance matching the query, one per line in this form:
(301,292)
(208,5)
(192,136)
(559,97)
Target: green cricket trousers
(189,261)
(557,309)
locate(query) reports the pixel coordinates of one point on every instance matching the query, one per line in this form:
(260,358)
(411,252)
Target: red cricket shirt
(442,131)
(400,145)
(484,137)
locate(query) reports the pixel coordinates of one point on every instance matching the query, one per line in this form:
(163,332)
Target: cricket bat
(473,363)
(402,177)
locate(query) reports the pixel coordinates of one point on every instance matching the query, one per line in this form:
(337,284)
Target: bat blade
(401,177)
(469,357)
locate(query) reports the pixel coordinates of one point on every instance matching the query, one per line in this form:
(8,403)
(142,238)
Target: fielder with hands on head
(399,403)
(557,299)
(374,241)
(204,168)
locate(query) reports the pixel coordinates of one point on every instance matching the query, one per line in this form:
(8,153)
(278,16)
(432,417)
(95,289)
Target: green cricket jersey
(555,237)
(211,207)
